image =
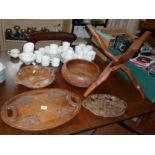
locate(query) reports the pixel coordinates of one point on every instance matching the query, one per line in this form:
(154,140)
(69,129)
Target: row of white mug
(53,53)
(65,52)
(29,48)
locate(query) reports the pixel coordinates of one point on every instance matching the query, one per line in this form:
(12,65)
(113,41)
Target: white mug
(66,44)
(42,50)
(46,49)
(38,52)
(28,47)
(90,55)
(14,53)
(55,62)
(39,58)
(45,61)
(67,55)
(89,48)
(77,48)
(53,46)
(80,54)
(82,46)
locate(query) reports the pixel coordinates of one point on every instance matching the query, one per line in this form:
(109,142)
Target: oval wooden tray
(35,76)
(40,109)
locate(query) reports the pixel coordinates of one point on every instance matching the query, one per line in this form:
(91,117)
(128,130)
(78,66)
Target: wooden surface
(84,121)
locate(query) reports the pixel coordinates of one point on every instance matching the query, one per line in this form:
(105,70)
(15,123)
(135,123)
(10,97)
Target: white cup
(42,50)
(90,55)
(37,52)
(54,51)
(28,47)
(45,61)
(82,46)
(89,48)
(67,55)
(80,54)
(66,44)
(55,62)
(39,58)
(46,49)
(77,48)
(53,46)
(70,48)
(14,53)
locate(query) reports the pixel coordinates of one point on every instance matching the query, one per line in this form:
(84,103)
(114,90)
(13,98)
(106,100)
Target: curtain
(130,25)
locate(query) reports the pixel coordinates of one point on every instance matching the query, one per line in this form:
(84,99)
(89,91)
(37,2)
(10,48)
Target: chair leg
(132,79)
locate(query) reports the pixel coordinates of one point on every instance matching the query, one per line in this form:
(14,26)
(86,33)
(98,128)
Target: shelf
(11,40)
(7,44)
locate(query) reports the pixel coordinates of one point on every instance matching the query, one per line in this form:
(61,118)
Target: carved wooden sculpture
(117,62)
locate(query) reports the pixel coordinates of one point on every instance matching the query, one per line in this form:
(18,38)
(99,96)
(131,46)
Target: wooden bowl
(80,73)
(35,76)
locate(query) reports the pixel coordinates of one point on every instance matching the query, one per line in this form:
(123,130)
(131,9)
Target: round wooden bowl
(79,72)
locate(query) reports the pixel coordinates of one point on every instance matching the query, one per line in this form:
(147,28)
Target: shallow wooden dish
(35,76)
(80,73)
(105,105)
(40,109)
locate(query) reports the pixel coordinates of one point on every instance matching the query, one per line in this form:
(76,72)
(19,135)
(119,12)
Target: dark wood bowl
(80,73)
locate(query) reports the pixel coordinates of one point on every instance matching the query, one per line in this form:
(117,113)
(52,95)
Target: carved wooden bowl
(80,73)
(35,76)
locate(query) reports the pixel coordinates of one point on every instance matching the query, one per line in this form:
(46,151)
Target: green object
(143,78)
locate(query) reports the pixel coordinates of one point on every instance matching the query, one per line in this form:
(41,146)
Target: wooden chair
(117,62)
(44,36)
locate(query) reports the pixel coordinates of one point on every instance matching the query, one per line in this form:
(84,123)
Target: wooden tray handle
(11,113)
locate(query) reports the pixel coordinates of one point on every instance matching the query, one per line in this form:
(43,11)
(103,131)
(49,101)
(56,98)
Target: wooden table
(115,85)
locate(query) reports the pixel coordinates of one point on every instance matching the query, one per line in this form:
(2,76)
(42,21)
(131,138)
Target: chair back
(44,36)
